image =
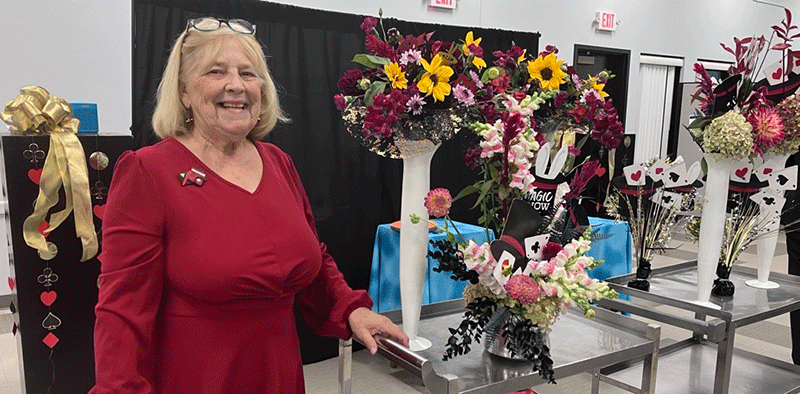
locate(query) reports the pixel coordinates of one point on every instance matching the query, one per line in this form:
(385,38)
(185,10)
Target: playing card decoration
(649,198)
(523,222)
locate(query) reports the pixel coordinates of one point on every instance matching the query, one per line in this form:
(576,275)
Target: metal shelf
(578,345)
(676,286)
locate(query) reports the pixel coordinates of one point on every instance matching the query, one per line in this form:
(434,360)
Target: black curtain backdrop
(351,190)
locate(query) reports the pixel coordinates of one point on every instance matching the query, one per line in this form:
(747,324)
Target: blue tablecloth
(384,283)
(612,243)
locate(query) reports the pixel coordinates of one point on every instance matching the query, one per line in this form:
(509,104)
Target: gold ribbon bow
(36,112)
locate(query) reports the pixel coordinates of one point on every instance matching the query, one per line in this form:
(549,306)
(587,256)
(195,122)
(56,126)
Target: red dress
(198,282)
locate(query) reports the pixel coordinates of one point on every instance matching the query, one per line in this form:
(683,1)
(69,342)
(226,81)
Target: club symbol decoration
(99,191)
(33,153)
(47,277)
(535,247)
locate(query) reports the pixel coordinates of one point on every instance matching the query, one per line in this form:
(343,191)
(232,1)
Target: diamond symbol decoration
(50,340)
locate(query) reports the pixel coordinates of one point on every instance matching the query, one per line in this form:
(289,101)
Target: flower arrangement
(740,118)
(415,87)
(519,106)
(534,290)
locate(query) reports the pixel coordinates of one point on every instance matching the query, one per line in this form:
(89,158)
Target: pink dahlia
(767,128)
(523,289)
(438,202)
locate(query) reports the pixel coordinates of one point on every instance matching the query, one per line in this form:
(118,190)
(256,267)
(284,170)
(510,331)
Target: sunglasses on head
(207,23)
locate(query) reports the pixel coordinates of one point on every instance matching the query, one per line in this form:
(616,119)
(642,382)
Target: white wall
(79,50)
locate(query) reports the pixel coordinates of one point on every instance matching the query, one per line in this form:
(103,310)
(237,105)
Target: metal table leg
(722,376)
(345,366)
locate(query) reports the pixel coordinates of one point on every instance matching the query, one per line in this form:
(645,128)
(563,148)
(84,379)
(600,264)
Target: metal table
(676,286)
(577,345)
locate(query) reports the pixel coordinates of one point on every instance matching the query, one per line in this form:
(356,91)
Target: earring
(189,118)
(258,120)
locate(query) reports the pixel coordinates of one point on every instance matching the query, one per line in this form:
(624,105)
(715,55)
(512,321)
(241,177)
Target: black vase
(723,287)
(642,273)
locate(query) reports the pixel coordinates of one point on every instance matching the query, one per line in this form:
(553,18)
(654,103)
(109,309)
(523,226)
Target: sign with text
(606,21)
(449,4)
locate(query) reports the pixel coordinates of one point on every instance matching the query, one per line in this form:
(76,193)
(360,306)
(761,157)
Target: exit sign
(606,21)
(450,4)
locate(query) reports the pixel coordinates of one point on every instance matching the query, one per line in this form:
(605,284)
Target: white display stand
(417,157)
(712,225)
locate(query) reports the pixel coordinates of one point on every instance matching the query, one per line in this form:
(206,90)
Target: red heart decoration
(767,171)
(636,175)
(48,297)
(35,175)
(741,172)
(42,227)
(659,170)
(99,210)
(505,262)
(777,74)
(600,171)
(11,283)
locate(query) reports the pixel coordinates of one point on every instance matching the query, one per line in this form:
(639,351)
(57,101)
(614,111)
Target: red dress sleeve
(130,282)
(327,302)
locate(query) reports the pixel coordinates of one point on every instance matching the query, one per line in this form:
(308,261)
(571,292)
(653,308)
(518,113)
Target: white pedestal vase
(417,157)
(766,243)
(712,225)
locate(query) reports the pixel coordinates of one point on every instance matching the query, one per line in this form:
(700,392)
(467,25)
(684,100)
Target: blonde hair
(195,49)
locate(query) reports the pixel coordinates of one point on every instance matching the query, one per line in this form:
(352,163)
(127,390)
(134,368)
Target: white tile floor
(373,374)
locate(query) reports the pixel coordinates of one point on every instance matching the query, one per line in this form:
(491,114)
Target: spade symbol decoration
(782,179)
(673,176)
(769,200)
(666,199)
(51,322)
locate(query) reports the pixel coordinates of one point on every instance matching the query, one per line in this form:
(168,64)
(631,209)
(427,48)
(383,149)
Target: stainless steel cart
(707,362)
(577,345)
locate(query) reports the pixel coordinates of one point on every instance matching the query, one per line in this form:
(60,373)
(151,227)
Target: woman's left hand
(365,323)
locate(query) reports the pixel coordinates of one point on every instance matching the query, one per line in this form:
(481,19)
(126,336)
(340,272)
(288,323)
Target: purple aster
(475,79)
(415,104)
(410,56)
(464,95)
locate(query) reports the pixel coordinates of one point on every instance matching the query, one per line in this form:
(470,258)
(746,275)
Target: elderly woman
(209,239)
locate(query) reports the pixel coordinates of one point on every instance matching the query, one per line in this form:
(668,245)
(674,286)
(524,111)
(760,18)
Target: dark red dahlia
(347,84)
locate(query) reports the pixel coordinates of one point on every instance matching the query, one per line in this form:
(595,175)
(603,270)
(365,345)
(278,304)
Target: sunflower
(597,86)
(477,61)
(395,75)
(469,40)
(548,71)
(434,81)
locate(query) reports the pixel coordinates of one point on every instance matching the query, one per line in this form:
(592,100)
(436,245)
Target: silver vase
(494,332)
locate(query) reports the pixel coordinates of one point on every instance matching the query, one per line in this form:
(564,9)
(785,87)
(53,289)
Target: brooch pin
(192,177)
